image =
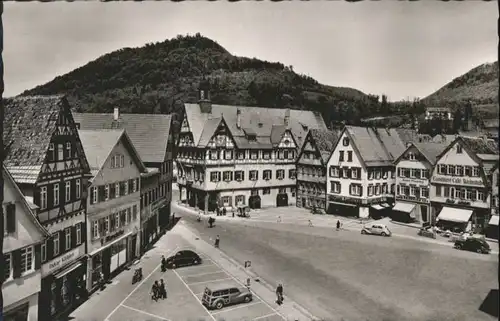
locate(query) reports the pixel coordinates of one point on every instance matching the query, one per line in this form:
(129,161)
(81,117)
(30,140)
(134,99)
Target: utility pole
(2,156)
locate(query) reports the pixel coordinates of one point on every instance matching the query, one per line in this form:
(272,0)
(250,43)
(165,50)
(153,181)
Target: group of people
(158,290)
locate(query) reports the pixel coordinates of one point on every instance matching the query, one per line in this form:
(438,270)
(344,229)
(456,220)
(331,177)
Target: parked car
(219,296)
(183,258)
(473,244)
(376,229)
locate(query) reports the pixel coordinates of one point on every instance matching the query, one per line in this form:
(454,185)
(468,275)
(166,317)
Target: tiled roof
(431,150)
(377,146)
(97,145)
(260,119)
(148,132)
(479,145)
(325,140)
(443,138)
(208,130)
(277,132)
(28,127)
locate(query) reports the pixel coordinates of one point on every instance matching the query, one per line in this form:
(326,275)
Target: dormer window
(251,137)
(459,149)
(345,141)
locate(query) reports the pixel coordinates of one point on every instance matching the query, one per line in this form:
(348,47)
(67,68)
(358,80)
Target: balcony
(311,178)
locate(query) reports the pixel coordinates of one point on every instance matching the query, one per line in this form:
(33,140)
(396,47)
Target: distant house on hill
(438,112)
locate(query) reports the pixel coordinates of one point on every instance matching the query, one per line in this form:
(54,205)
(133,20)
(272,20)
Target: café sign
(457,180)
(57,263)
(413,181)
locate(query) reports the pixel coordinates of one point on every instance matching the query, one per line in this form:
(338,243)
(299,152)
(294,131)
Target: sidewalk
(289,310)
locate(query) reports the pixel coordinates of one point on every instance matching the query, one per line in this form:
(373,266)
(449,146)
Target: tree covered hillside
(158,77)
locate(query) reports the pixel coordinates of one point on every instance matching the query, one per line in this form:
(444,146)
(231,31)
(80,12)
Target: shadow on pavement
(490,303)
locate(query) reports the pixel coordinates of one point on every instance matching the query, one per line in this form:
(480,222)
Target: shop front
(492,230)
(343,206)
(63,284)
(404,212)
(454,219)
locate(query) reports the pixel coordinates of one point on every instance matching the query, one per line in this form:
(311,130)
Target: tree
(457,124)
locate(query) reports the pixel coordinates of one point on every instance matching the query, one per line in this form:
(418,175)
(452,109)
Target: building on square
(461,185)
(23,238)
(413,170)
(311,167)
(232,156)
(152,137)
(361,171)
(113,218)
(46,159)
(492,230)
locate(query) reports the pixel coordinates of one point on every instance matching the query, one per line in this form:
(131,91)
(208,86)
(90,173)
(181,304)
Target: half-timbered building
(46,159)
(152,137)
(233,157)
(23,238)
(113,220)
(311,168)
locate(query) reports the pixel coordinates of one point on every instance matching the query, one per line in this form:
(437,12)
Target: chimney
(238,118)
(116,113)
(287,117)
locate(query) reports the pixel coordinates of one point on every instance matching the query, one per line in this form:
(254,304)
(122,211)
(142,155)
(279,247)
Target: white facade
(351,182)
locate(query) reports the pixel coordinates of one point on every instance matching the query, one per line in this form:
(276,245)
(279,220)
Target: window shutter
(50,196)
(100,193)
(62,241)
(91,195)
(101,226)
(73,190)
(360,190)
(11,218)
(62,192)
(36,196)
(50,248)
(131,185)
(112,192)
(16,263)
(84,232)
(73,236)
(349,173)
(38,261)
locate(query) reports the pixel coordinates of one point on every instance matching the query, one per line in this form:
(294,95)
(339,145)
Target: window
(345,141)
(225,200)
(292,190)
(117,190)
(95,229)
(413,173)
(459,149)
(214,176)
(446,192)
(67,186)
(254,154)
(468,170)
(345,172)
(334,187)
(411,156)
(56,194)
(117,220)
(94,194)
(280,174)
(475,171)
(412,191)
(424,174)
(292,173)
(67,241)
(392,188)
(106,192)
(267,175)
(442,169)
(60,152)
(239,176)
(134,212)
(424,192)
(384,188)
(349,156)
(355,189)
(43,197)
(78,189)
(370,174)
(129,215)
(480,196)
(107,225)
(377,174)
(240,199)
(51,152)
(241,155)
(354,173)
(68,148)
(452,192)
(468,194)
(370,190)
(27,259)
(43,251)
(227,176)
(266,191)
(78,234)
(341,156)
(377,189)
(385,174)
(266,155)
(55,244)
(438,190)
(228,154)
(122,161)
(459,170)
(254,175)
(451,170)
(334,171)
(125,188)
(213,155)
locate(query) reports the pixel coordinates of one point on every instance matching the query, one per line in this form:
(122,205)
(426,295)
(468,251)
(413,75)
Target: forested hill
(157,77)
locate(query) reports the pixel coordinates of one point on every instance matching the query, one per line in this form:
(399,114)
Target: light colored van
(376,229)
(219,296)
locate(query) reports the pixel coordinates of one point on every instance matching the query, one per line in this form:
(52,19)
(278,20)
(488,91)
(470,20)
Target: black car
(183,258)
(473,244)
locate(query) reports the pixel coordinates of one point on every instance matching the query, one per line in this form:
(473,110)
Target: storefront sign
(457,180)
(112,237)
(57,263)
(413,181)
(357,201)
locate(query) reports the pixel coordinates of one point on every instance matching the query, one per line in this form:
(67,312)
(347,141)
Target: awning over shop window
(454,215)
(377,207)
(404,207)
(494,220)
(343,204)
(68,270)
(385,205)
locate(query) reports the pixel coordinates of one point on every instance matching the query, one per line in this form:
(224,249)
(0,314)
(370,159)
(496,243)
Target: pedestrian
(338,225)
(224,211)
(163,290)
(310,223)
(218,211)
(217,240)
(154,291)
(163,264)
(233,211)
(279,219)
(279,294)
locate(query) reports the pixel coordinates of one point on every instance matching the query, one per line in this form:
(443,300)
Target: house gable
(345,144)
(287,141)
(222,136)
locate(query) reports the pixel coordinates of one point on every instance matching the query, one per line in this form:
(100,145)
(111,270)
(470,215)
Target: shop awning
(494,220)
(121,238)
(403,207)
(343,204)
(68,270)
(385,205)
(377,207)
(454,215)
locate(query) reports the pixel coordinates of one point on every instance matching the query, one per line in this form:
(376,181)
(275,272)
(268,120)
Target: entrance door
(282,200)
(423,213)
(303,202)
(133,246)
(106,263)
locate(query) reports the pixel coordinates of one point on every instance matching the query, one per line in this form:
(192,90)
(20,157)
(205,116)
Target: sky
(398,48)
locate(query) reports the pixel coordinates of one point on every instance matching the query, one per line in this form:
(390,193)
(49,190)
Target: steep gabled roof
(149,132)
(28,128)
(209,129)
(260,120)
(479,148)
(98,145)
(429,150)
(325,140)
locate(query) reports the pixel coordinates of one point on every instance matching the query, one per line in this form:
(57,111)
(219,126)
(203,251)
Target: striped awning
(494,220)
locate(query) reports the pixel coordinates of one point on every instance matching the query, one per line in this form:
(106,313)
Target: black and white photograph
(249,160)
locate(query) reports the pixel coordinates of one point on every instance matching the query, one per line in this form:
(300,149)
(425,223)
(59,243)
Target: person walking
(163,290)
(279,294)
(163,264)
(279,219)
(217,240)
(310,223)
(154,291)
(338,225)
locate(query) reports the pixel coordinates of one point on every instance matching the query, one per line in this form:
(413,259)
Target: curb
(403,224)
